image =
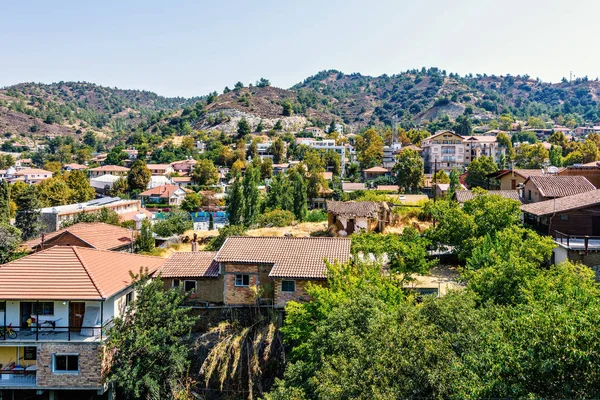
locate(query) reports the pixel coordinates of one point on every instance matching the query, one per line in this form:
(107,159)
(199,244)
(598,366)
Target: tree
(138,176)
(263,83)
(463,126)
(478,170)
(28,218)
(81,190)
(441,177)
(287,108)
(192,202)
(278,151)
(235,201)
(243,127)
(229,230)
(147,344)
(555,156)
(369,146)
(54,192)
(298,186)
(253,150)
(504,141)
(4,202)
(408,170)
(251,194)
(116,156)
(120,188)
(266,169)
(589,151)
(259,127)
(205,173)
(211,221)
(176,223)
(10,239)
(144,242)
(454,181)
(531,156)
(279,195)
(53,166)
(558,138)
(238,86)
(278,126)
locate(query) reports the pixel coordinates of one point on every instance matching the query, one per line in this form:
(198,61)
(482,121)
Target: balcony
(18,378)
(57,333)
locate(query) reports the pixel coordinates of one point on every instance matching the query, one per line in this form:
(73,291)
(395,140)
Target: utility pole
(434,180)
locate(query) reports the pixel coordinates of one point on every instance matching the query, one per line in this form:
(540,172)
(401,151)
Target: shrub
(276,218)
(316,216)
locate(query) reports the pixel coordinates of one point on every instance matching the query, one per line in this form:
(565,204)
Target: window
(128,298)
(564,217)
(529,194)
(242,280)
(2,306)
(189,286)
(43,308)
(65,363)
(176,283)
(288,286)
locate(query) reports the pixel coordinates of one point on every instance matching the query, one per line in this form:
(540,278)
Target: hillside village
(245,225)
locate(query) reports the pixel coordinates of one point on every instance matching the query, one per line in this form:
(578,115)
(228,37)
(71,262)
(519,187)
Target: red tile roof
(71,273)
(292,257)
(568,203)
(164,191)
(197,264)
(560,186)
(98,235)
(376,169)
(108,168)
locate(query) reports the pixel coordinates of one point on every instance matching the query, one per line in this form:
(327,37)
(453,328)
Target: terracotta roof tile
(106,168)
(164,191)
(560,186)
(562,204)
(197,264)
(292,257)
(376,169)
(98,235)
(71,273)
(466,195)
(355,208)
(353,186)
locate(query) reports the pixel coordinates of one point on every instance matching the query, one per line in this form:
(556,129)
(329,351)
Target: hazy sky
(188,48)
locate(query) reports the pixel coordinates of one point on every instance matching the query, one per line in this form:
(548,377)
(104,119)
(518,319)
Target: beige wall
(506,181)
(244,295)
(207,289)
(281,298)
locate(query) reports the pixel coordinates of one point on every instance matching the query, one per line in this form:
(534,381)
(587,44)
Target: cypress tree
(235,201)
(4,202)
(251,194)
(28,218)
(298,186)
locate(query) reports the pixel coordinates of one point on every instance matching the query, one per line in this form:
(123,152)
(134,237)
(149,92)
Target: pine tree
(251,194)
(144,242)
(298,186)
(454,183)
(4,202)
(211,222)
(235,201)
(138,176)
(28,218)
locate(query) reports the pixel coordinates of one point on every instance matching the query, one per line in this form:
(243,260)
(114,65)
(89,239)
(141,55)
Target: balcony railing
(18,377)
(577,242)
(54,332)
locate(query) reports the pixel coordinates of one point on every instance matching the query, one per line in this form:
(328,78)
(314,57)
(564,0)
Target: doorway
(350,227)
(76,313)
(596,225)
(26,313)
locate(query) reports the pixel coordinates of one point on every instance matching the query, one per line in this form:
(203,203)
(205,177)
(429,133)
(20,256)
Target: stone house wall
(90,370)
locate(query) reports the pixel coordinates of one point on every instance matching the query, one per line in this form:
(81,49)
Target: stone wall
(89,375)
(281,298)
(259,282)
(207,289)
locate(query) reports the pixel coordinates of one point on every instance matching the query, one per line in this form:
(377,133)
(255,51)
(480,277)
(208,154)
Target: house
(577,214)
(59,303)
(348,187)
(375,172)
(27,175)
(104,183)
(446,150)
(158,180)
(99,158)
(95,235)
(184,166)
(545,187)
(74,167)
(511,179)
(54,217)
(23,163)
(442,188)
(347,217)
(182,181)
(327,144)
(166,194)
(263,149)
(315,131)
(196,272)
(160,169)
(591,171)
(465,195)
(115,170)
(275,269)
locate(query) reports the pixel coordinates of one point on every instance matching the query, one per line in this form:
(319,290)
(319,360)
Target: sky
(192,47)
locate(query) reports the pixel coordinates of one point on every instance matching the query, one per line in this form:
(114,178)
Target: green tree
(176,223)
(205,173)
(555,156)
(192,202)
(589,151)
(81,189)
(442,177)
(278,151)
(235,201)
(504,141)
(408,170)
(4,202)
(260,127)
(144,242)
(225,232)
(243,127)
(279,195)
(266,169)
(263,83)
(278,126)
(369,147)
(478,170)
(138,176)
(10,239)
(28,217)
(298,186)
(147,344)
(454,181)
(558,138)
(531,156)
(54,192)
(251,194)
(116,156)
(120,188)
(287,108)
(463,126)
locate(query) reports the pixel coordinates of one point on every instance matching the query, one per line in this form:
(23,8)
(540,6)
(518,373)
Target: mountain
(411,98)
(63,108)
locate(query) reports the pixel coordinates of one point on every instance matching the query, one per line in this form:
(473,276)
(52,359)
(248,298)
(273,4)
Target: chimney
(195,243)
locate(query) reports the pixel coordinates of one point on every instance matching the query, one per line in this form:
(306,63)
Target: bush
(175,224)
(276,218)
(316,216)
(226,231)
